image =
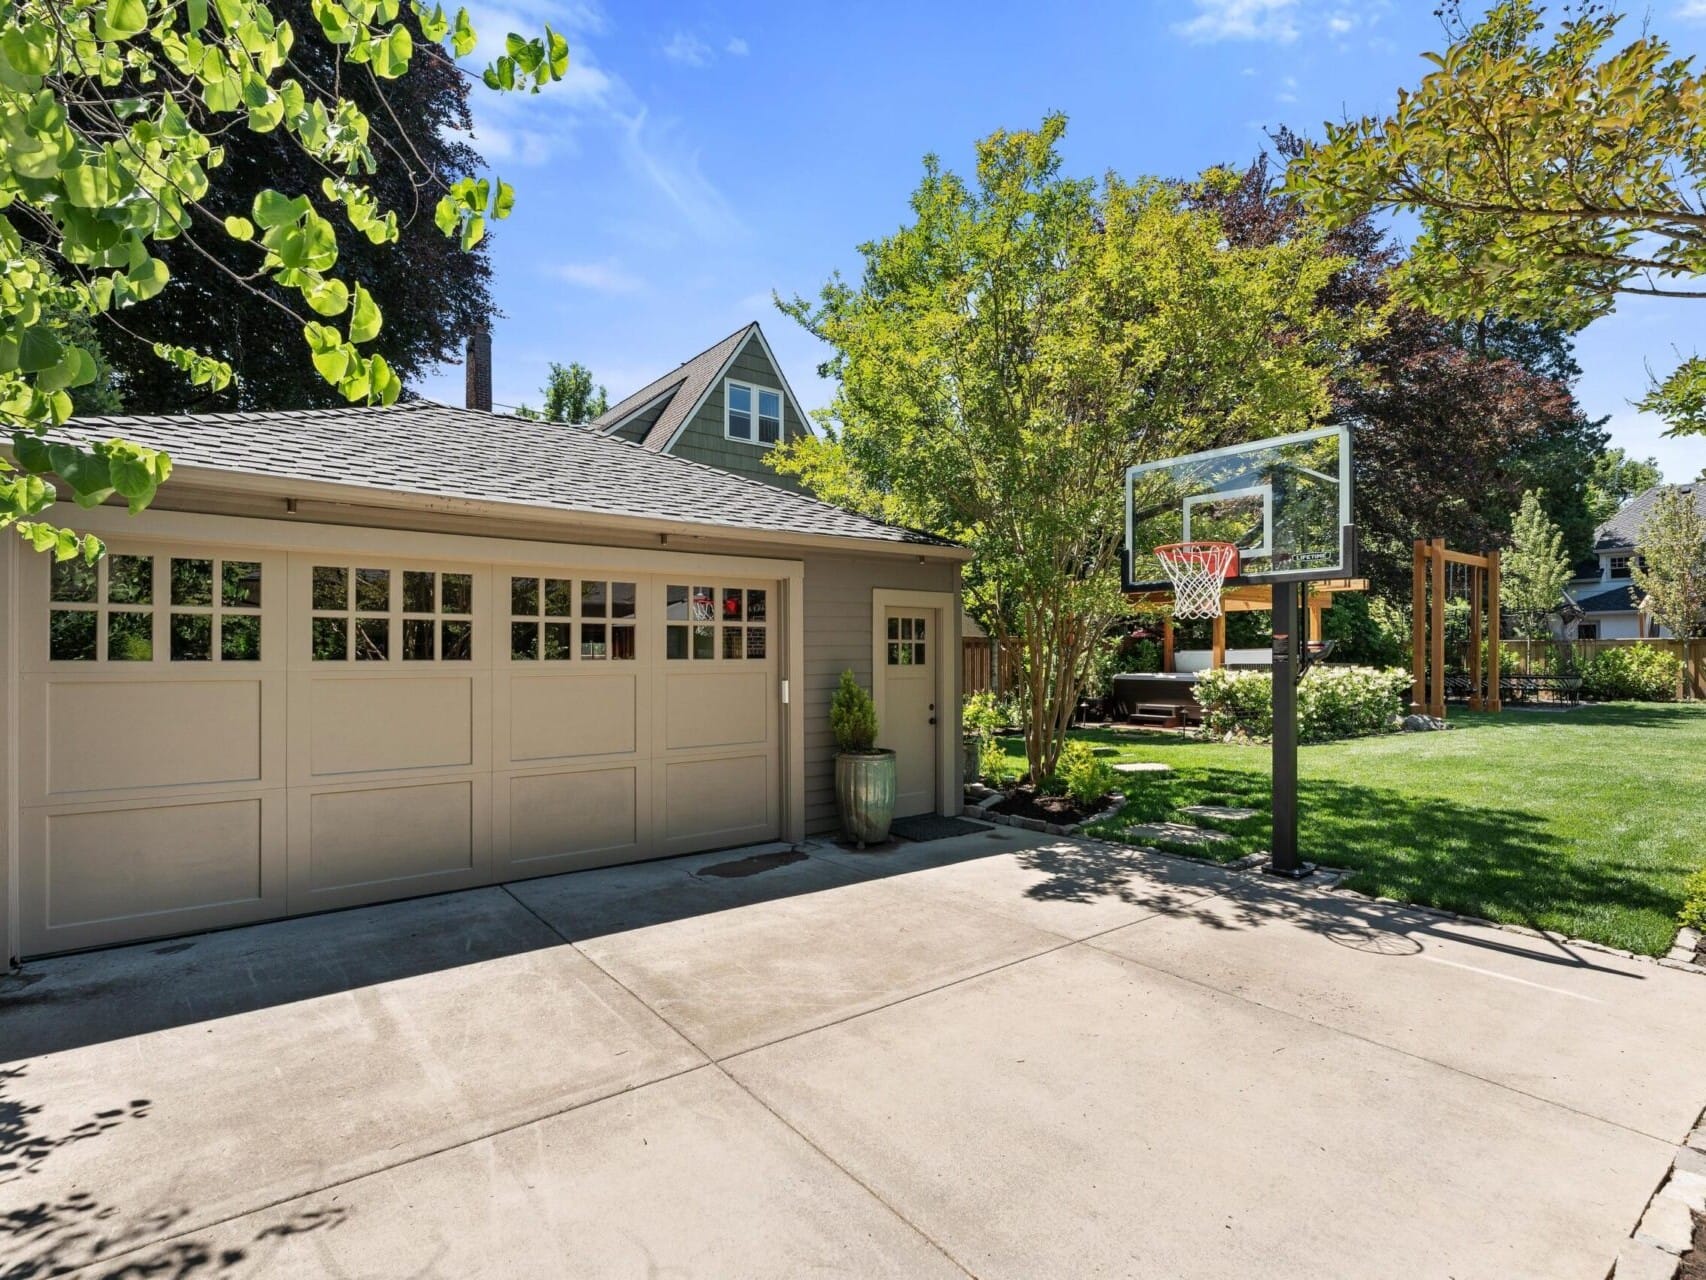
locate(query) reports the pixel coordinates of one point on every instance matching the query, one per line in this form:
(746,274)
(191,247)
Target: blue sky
(703,154)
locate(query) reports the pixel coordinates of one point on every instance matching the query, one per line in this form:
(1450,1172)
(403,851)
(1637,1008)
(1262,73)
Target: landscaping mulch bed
(1024,802)
(1694,1261)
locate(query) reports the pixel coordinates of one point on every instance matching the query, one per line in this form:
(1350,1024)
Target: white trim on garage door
(173,794)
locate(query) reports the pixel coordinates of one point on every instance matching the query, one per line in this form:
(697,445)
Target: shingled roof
(1623,530)
(419,447)
(685,385)
(1619,599)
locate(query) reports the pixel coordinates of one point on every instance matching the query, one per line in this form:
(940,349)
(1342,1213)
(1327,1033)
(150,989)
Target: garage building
(360,654)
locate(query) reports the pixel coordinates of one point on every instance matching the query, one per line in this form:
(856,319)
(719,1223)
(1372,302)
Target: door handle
(932,719)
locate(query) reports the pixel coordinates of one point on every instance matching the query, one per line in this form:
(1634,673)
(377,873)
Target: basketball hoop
(1197,570)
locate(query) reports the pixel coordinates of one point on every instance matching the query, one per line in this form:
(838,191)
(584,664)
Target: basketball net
(1197,571)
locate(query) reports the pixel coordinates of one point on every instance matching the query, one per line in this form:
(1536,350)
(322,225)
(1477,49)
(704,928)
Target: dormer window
(1620,567)
(742,403)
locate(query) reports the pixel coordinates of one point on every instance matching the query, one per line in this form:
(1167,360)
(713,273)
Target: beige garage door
(228,735)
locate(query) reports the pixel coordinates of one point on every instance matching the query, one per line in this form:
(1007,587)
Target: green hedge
(1332,702)
(1639,671)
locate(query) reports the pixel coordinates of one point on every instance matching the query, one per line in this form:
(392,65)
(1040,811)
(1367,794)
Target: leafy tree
(1534,570)
(1026,337)
(1616,478)
(114,114)
(1451,423)
(1550,176)
(1671,567)
(570,396)
(432,294)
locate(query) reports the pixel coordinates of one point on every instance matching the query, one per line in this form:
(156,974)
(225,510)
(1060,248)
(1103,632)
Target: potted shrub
(864,774)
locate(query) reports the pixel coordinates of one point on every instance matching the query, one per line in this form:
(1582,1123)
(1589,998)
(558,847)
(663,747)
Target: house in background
(1602,602)
(727,406)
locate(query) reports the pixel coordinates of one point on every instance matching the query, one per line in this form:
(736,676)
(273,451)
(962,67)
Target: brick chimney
(478,368)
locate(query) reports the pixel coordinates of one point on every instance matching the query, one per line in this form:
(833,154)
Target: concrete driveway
(1002,1055)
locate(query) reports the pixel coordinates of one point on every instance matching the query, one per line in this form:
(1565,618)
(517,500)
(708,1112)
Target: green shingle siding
(702,439)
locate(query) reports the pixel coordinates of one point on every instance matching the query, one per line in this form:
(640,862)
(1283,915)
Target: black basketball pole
(1285,676)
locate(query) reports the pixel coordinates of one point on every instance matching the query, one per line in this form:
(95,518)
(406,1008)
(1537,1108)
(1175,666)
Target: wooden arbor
(1429,589)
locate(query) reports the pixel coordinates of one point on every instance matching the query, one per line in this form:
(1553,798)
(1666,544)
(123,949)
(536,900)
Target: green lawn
(1586,821)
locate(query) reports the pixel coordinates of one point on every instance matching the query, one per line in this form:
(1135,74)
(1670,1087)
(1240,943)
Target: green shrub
(852,716)
(1081,775)
(982,714)
(1639,671)
(1693,913)
(1350,702)
(1332,702)
(1367,630)
(992,764)
(1236,704)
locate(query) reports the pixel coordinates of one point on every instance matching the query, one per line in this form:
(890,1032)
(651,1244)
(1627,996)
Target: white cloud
(737,48)
(1269,20)
(657,153)
(1341,23)
(1287,90)
(1692,11)
(688,49)
(600,277)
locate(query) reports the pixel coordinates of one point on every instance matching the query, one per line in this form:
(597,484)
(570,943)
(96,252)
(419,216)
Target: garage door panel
(563,717)
(371,843)
(359,725)
(723,801)
(564,821)
(716,708)
(94,876)
(104,736)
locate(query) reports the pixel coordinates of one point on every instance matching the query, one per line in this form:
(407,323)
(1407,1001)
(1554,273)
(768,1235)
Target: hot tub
(1157,689)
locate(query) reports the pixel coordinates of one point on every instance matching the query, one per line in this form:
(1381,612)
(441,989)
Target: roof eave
(251,484)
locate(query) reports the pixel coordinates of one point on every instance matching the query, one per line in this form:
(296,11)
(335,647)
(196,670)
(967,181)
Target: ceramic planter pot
(864,793)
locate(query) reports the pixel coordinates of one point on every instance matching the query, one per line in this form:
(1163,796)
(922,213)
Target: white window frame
(756,390)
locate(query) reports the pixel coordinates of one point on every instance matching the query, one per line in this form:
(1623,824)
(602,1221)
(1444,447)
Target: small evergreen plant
(852,716)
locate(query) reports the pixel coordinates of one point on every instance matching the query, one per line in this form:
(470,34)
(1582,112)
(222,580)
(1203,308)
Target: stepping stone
(1175,833)
(1142,766)
(1218,812)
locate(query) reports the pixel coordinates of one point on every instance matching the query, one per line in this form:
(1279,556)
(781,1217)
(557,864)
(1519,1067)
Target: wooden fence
(1531,655)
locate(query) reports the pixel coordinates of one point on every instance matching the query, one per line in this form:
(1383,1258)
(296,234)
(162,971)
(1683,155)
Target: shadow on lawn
(1501,864)
(76,1230)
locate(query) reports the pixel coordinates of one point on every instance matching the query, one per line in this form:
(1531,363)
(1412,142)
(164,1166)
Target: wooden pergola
(1430,585)
(1248,598)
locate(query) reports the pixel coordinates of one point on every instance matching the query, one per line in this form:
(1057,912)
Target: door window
(907,642)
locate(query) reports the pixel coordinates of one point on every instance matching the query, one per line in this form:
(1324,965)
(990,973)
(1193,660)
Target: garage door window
(702,623)
(557,619)
(216,610)
(383,614)
(102,610)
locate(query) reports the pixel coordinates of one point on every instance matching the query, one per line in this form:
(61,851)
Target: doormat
(931,826)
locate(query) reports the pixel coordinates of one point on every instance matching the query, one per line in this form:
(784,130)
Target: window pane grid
(369,614)
(561,619)
(210,607)
(695,614)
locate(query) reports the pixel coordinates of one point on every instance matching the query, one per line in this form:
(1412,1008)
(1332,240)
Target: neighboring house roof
(683,389)
(1619,599)
(436,451)
(1623,531)
(685,385)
